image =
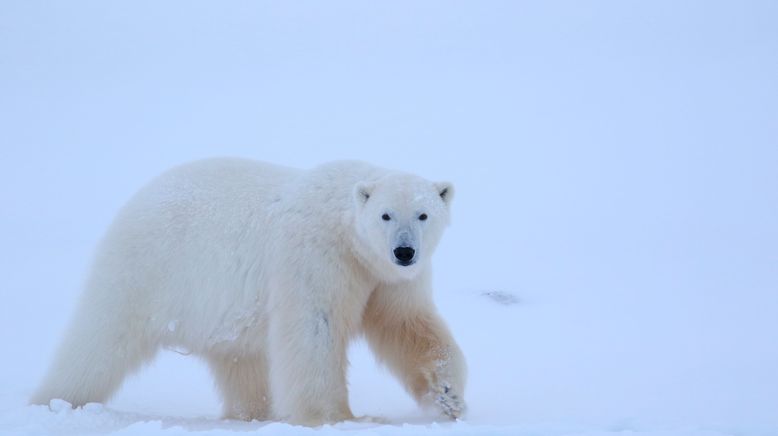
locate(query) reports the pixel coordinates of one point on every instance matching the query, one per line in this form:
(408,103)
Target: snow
(611,265)
(40,421)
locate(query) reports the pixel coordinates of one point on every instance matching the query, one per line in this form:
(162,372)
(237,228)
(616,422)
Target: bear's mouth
(405,262)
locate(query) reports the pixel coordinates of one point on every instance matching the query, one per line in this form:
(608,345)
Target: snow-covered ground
(612,267)
(537,368)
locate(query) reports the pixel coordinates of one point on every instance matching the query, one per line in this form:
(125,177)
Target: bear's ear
(446,191)
(362,192)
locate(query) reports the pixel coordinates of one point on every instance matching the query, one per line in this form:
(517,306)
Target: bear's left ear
(362,192)
(446,191)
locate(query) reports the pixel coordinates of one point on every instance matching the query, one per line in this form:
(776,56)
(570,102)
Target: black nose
(404,255)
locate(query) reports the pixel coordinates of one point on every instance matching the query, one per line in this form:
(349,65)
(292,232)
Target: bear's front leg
(307,363)
(405,331)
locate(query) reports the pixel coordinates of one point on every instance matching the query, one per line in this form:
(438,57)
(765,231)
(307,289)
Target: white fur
(267,273)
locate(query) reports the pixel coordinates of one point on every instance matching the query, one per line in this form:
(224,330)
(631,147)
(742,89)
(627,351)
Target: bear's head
(399,220)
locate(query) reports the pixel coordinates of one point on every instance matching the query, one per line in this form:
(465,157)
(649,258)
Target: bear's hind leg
(242,382)
(94,358)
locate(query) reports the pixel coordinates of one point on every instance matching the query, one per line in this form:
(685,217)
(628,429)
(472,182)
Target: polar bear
(267,273)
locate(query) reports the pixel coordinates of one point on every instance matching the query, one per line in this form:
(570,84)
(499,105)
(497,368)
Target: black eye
(423,217)
(386,217)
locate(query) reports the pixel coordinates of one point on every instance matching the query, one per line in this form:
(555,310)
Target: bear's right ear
(362,192)
(446,191)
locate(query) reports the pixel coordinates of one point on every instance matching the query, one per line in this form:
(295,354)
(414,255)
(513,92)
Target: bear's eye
(423,217)
(386,217)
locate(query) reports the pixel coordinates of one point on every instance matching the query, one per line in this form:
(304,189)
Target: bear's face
(399,220)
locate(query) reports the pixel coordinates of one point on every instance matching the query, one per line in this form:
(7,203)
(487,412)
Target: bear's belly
(240,331)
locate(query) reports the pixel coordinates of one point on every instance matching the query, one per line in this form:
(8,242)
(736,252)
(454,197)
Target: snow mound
(501,297)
